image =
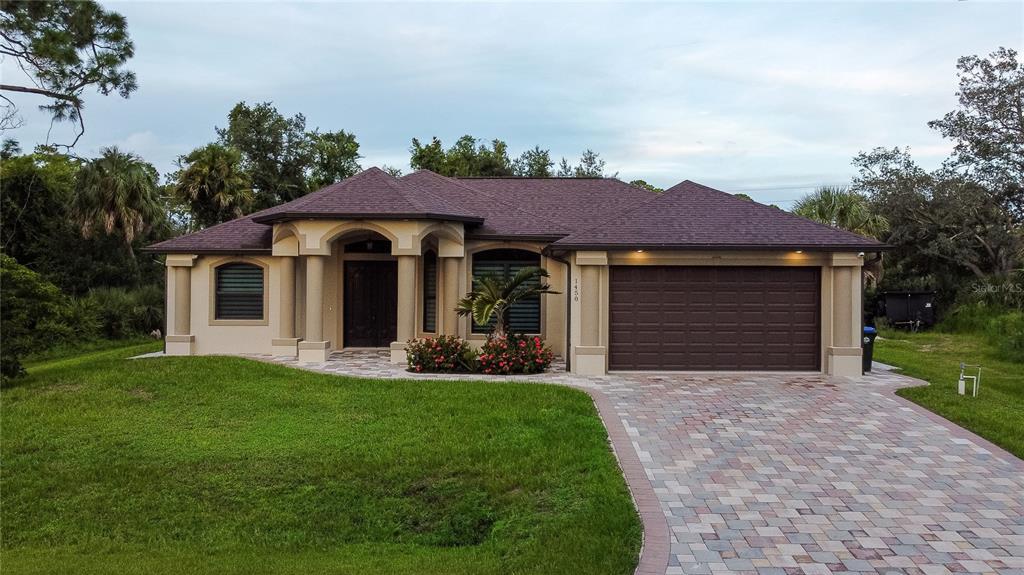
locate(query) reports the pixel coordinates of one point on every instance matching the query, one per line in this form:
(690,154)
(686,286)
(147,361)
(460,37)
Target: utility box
(912,310)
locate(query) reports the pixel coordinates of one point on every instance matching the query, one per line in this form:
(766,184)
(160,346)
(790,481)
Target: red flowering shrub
(441,354)
(514,354)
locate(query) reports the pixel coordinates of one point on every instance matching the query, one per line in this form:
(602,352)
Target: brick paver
(773,473)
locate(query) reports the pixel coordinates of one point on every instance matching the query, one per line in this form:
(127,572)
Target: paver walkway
(798,474)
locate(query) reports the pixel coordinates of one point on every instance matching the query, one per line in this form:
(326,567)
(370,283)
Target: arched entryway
(369,290)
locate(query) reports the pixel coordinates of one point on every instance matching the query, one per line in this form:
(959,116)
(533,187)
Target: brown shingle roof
(690,215)
(574,203)
(371,193)
(502,218)
(237,236)
(585,213)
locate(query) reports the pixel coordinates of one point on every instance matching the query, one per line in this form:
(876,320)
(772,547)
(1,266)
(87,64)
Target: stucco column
(182,300)
(406,307)
(179,339)
(286,344)
(844,354)
(589,356)
(590,309)
(449,295)
(314,348)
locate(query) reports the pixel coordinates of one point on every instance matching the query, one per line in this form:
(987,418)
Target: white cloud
(738,93)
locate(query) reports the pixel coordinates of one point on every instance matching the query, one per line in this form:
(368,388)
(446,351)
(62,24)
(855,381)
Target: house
(688,279)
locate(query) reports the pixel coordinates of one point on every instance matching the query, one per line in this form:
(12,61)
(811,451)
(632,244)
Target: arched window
(524,317)
(430,292)
(239,291)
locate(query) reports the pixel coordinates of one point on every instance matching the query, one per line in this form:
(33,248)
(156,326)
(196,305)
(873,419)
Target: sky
(766,98)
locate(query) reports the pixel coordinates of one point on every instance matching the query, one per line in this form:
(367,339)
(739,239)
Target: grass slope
(997,414)
(223,465)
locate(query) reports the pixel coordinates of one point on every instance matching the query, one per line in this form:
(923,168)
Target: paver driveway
(794,474)
(802,474)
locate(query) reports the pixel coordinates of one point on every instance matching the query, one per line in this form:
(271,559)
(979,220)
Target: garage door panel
(714,318)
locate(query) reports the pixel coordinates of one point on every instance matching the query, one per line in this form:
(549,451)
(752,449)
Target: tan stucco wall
(220,337)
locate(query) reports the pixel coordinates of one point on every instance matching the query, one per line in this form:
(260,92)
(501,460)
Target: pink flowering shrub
(441,354)
(514,354)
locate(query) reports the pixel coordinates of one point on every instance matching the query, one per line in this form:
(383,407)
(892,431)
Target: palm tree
(116,194)
(842,208)
(493,296)
(213,185)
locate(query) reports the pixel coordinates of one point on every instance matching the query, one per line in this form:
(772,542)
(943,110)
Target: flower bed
(441,354)
(497,356)
(514,354)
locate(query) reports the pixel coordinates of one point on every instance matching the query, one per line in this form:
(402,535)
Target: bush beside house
(35,315)
(508,355)
(503,353)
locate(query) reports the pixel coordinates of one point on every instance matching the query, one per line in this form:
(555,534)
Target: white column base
(285,347)
(844,361)
(590,360)
(398,352)
(179,345)
(313,351)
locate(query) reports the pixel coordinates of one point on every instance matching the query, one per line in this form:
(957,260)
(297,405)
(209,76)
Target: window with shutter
(239,292)
(524,316)
(430,292)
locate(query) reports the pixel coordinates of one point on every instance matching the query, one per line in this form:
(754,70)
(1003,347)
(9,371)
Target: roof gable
(370,193)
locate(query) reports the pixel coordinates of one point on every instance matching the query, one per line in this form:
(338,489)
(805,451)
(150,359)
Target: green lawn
(997,414)
(224,465)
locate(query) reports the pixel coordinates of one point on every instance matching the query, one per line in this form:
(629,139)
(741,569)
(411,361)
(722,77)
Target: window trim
(542,308)
(212,280)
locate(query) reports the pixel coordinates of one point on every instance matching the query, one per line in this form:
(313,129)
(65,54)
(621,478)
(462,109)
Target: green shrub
(514,354)
(1006,332)
(122,313)
(1003,328)
(115,309)
(441,354)
(149,308)
(34,316)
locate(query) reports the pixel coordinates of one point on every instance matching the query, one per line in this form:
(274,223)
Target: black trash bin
(868,343)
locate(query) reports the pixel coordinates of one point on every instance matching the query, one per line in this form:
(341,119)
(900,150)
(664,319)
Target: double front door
(370,303)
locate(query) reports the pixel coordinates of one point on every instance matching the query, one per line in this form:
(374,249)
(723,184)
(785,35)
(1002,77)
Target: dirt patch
(140,393)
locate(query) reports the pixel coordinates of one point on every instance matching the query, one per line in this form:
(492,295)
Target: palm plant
(493,296)
(116,194)
(213,185)
(842,208)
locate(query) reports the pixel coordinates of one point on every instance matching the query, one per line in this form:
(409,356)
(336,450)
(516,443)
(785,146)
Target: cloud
(738,93)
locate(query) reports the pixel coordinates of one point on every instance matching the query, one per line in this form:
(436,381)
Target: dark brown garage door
(714,318)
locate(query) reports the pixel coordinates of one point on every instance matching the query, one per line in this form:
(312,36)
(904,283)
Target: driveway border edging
(656,543)
(953,427)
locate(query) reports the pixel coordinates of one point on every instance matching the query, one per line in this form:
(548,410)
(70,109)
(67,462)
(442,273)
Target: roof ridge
(780,210)
(523,177)
(491,197)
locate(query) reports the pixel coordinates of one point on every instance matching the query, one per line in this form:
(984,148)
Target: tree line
(77,224)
